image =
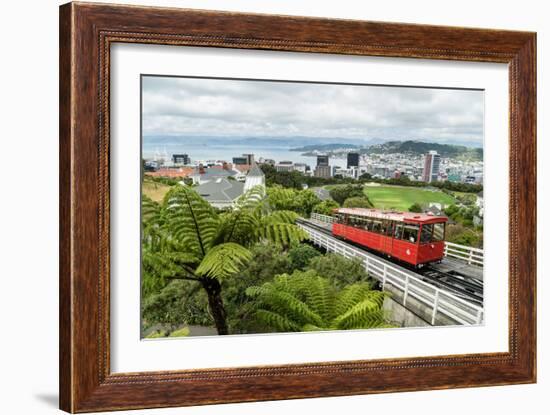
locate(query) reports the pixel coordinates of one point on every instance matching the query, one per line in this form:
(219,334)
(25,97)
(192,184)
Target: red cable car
(414,238)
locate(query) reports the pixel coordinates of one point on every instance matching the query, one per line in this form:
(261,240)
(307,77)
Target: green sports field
(401,198)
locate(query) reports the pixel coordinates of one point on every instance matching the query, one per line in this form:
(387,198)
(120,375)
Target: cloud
(197,106)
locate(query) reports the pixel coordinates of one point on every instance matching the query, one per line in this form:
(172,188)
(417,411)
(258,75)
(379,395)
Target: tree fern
(223,261)
(184,238)
(304,301)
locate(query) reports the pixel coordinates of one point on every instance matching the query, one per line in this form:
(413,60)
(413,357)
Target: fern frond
(191,219)
(223,261)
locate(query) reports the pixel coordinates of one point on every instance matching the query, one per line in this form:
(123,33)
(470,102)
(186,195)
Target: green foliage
(415,207)
(185,238)
(357,202)
(183,332)
(459,234)
(299,201)
(267,261)
(340,270)
(301,255)
(288,179)
(169,181)
(341,193)
(179,302)
(305,301)
(223,260)
(462,215)
(326,207)
(156,334)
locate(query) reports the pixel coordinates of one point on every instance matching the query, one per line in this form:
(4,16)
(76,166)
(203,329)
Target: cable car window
(398,231)
(410,233)
(368,224)
(439,232)
(388,228)
(426,233)
(377,226)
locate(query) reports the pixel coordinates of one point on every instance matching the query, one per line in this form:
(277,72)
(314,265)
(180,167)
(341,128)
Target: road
(321,193)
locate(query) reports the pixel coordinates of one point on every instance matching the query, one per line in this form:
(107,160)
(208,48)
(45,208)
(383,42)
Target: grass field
(155,191)
(401,198)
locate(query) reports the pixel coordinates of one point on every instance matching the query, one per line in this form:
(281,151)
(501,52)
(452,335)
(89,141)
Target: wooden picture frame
(86,33)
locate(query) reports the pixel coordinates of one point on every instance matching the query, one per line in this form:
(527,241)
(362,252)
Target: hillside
(389,147)
(419,147)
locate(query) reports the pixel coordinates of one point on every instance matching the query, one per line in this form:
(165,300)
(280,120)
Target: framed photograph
(258,207)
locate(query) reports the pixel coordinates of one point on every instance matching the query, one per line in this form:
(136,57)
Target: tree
(340,270)
(305,301)
(357,202)
(186,239)
(267,261)
(459,234)
(301,255)
(177,303)
(299,201)
(325,207)
(415,207)
(341,193)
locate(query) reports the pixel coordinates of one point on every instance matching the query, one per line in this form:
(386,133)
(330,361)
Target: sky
(246,108)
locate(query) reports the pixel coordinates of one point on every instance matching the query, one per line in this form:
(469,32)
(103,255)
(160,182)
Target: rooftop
(255,171)
(392,215)
(221,190)
(179,172)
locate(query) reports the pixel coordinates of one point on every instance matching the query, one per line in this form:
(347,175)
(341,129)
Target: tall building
(249,158)
(431,167)
(181,159)
(323,168)
(240,160)
(353,160)
(284,166)
(322,160)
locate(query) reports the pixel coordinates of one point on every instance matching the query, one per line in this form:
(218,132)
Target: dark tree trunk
(215,302)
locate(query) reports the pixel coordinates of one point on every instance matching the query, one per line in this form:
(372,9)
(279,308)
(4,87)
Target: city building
(322,160)
(150,165)
(181,159)
(284,166)
(432,161)
(202,174)
(240,160)
(249,158)
(350,172)
(353,160)
(301,167)
(323,168)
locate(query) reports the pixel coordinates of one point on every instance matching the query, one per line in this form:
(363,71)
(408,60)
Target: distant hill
(419,147)
(326,147)
(389,147)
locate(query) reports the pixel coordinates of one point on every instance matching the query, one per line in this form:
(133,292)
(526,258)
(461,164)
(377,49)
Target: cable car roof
(393,215)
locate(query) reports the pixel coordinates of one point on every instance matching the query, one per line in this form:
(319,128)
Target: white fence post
(384,277)
(436,303)
(406,293)
(479,316)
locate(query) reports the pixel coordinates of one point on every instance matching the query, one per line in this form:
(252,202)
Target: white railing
(323,218)
(473,256)
(435,304)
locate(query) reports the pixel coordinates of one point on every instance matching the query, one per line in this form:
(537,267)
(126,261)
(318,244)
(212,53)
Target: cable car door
(387,240)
